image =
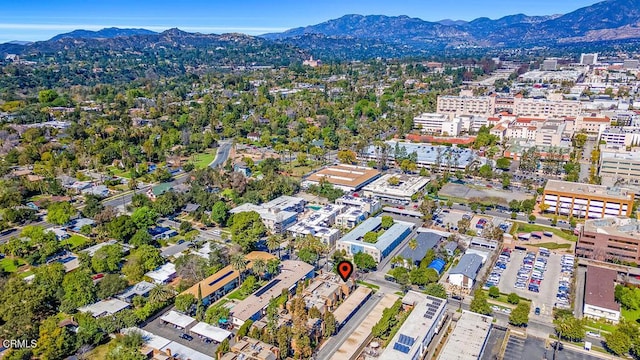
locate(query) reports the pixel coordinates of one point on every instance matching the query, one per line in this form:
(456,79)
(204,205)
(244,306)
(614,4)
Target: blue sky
(40,20)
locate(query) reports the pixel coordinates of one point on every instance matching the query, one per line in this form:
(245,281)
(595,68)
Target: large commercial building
(620,137)
(430,122)
(589,59)
(591,124)
(599,297)
(585,200)
(455,106)
(436,157)
(370,206)
(421,326)
(396,189)
(620,165)
(353,242)
(319,223)
(344,177)
(610,239)
(277,214)
(469,338)
(252,308)
(546,108)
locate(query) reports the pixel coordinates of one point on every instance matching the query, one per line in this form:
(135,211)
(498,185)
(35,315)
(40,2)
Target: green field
(524,227)
(75,241)
(552,246)
(372,286)
(116,171)
(631,315)
(202,160)
(8,265)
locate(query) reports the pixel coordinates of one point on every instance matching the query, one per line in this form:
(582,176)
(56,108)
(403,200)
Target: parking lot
(545,299)
(170,332)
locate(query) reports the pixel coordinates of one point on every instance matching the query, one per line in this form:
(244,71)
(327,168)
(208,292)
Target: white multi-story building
(546,108)
(396,189)
(620,137)
(319,223)
(551,133)
(618,165)
(592,124)
(451,128)
(589,59)
(430,122)
(466,105)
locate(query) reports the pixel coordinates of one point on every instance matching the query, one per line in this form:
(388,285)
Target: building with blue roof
(353,242)
(437,265)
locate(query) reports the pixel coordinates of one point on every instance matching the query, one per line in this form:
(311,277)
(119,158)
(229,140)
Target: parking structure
(533,276)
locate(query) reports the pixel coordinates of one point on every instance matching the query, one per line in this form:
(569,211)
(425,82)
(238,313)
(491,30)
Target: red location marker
(345,269)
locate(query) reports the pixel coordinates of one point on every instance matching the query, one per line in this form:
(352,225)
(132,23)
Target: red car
(535,281)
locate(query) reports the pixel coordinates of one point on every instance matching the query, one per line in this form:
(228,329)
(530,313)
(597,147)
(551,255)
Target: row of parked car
(531,273)
(564,285)
(498,268)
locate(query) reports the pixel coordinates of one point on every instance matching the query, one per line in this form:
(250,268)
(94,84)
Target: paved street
(222,154)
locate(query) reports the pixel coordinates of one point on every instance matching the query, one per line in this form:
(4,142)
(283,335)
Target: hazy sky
(40,20)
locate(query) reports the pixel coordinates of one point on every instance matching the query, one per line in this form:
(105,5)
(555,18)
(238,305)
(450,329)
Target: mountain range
(358,36)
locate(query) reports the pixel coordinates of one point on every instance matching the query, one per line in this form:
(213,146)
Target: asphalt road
(222,154)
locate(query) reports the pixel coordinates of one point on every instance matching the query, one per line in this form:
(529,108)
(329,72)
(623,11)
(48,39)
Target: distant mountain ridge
(606,20)
(365,36)
(106,33)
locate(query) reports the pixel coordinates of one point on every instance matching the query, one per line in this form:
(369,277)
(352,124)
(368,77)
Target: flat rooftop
(429,153)
(407,185)
(599,288)
(614,226)
(291,272)
(348,349)
(466,341)
(588,190)
(425,314)
(345,175)
(105,307)
(620,155)
(352,302)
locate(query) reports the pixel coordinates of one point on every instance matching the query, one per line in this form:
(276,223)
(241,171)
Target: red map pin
(345,269)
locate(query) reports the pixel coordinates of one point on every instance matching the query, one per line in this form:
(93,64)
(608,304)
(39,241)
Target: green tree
(246,229)
(618,342)
(220,213)
(121,228)
(422,276)
(244,329)
(141,237)
(110,285)
(436,290)
(184,302)
(55,342)
(570,328)
(60,213)
(494,292)
(92,206)
(330,324)
(223,348)
(532,218)
(503,163)
(387,222)
(144,217)
(107,258)
(47,96)
(79,290)
(364,261)
(479,303)
(520,315)
(370,237)
(513,298)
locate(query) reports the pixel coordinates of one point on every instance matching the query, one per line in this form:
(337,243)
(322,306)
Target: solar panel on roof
(402,348)
(406,340)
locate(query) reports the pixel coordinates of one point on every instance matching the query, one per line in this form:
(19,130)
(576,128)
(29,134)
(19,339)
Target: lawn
(524,227)
(503,298)
(202,160)
(372,286)
(593,325)
(631,315)
(116,171)
(552,245)
(11,266)
(75,241)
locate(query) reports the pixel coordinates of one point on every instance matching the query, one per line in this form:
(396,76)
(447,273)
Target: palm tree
(273,242)
(413,244)
(397,260)
(159,294)
(273,266)
(259,267)
(238,263)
